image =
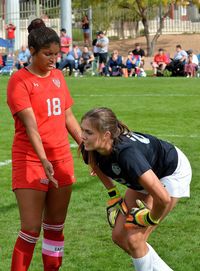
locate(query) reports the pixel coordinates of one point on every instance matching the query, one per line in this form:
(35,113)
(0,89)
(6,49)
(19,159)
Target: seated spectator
(86,60)
(176,66)
(1,61)
(72,60)
(133,64)
(159,63)
(191,65)
(140,52)
(23,58)
(114,66)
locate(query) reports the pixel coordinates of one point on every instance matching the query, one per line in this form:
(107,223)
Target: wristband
(151,220)
(114,193)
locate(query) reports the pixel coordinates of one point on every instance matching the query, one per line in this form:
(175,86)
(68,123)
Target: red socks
(23,250)
(52,246)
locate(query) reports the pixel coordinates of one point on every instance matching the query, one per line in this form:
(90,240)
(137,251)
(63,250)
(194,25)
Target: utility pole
(66,16)
(12,16)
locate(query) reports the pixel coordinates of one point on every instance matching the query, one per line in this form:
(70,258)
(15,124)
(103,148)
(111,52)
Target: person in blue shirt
(133,63)
(23,58)
(114,66)
(72,59)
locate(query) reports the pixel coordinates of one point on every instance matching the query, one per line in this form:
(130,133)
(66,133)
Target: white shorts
(178,184)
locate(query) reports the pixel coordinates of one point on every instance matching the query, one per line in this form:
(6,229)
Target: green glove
(140,216)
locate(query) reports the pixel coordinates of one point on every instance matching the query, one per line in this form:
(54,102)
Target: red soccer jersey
(49,97)
(11,32)
(65,43)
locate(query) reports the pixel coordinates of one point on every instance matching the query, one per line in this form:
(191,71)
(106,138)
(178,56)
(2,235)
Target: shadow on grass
(8,208)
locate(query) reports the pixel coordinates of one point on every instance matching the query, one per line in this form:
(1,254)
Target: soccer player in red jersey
(155,172)
(42,163)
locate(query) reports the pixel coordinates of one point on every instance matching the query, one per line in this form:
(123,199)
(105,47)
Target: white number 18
(53,107)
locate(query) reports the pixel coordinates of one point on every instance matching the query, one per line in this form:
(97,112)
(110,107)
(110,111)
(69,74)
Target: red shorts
(31,175)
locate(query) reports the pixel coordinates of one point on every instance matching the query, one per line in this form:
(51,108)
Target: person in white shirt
(102,44)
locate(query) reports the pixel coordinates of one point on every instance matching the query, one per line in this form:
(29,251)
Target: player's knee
(134,241)
(32,227)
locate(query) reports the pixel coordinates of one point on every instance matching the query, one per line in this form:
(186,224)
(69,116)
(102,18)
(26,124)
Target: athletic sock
(158,263)
(52,246)
(23,250)
(144,263)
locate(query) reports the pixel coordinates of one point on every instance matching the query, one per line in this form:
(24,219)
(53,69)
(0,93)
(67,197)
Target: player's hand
(140,216)
(48,168)
(115,205)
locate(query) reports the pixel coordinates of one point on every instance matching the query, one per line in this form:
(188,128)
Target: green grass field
(166,107)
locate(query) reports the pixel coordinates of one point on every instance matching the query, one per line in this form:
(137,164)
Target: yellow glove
(115,205)
(140,216)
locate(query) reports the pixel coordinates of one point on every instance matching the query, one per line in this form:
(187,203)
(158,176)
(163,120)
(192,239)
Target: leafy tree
(141,10)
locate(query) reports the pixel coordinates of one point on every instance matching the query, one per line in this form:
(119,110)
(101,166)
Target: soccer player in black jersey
(155,172)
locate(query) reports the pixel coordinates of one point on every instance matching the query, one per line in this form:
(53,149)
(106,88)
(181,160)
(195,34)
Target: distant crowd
(98,61)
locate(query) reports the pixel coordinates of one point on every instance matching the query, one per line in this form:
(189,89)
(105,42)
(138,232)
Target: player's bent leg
(134,241)
(30,204)
(120,235)
(55,213)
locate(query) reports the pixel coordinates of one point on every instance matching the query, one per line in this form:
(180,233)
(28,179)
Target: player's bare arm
(161,198)
(73,126)
(107,182)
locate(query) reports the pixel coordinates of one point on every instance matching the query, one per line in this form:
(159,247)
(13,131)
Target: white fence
(120,25)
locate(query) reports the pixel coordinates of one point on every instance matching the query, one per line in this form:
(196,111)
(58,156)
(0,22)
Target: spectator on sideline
(191,65)
(96,55)
(42,163)
(156,175)
(176,66)
(85,24)
(65,43)
(133,64)
(1,62)
(86,60)
(114,66)
(10,31)
(102,44)
(160,62)
(140,52)
(23,58)
(180,55)
(72,60)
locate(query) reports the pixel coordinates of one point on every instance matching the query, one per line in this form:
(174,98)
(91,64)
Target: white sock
(158,263)
(143,264)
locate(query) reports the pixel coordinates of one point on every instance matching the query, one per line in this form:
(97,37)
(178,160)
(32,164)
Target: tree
(144,11)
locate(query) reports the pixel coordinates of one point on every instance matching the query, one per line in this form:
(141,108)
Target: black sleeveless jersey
(134,154)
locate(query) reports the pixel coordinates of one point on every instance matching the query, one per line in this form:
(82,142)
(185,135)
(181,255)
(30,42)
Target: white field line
(138,95)
(5,163)
(74,145)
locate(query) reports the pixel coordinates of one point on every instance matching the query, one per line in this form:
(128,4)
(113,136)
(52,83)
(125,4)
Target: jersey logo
(44,181)
(36,84)
(116,169)
(56,82)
